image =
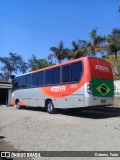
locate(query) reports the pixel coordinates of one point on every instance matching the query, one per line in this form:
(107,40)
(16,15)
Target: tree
(79,48)
(96,43)
(83,48)
(113,42)
(35,63)
(12,65)
(115,64)
(58,52)
(68,54)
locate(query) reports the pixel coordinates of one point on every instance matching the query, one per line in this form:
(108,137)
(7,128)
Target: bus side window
(56,75)
(40,78)
(28,80)
(22,81)
(48,77)
(18,82)
(66,74)
(76,71)
(34,80)
(15,84)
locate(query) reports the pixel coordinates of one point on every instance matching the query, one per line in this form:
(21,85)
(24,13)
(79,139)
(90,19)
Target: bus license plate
(103,101)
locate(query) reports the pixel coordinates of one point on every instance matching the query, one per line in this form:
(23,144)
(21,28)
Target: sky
(33,26)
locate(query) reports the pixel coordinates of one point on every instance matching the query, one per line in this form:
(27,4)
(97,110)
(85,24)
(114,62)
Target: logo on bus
(102,68)
(58,89)
(103,89)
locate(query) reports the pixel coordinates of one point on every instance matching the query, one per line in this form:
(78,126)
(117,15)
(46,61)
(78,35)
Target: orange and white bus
(77,83)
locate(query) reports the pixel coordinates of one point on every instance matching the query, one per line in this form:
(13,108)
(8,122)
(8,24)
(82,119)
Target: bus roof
(60,64)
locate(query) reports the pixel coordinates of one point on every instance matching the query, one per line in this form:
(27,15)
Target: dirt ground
(117,101)
(33,129)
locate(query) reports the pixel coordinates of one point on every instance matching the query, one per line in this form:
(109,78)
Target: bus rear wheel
(18,104)
(50,107)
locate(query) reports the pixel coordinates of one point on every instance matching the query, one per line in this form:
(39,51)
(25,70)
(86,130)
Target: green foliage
(115,64)
(35,63)
(113,42)
(12,64)
(96,43)
(59,53)
(108,45)
(79,48)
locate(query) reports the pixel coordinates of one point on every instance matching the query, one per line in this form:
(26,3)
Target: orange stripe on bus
(13,101)
(64,90)
(21,103)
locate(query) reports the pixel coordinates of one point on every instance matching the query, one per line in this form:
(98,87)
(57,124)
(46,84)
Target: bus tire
(50,107)
(18,104)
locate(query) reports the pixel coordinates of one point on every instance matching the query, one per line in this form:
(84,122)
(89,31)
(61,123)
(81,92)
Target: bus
(82,82)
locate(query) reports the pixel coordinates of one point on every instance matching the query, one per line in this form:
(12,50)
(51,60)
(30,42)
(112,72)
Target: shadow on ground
(7,147)
(88,112)
(94,113)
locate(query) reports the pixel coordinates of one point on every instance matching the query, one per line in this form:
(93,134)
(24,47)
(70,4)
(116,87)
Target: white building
(117,86)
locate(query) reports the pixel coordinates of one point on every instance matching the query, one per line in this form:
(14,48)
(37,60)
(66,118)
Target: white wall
(117,86)
(9,96)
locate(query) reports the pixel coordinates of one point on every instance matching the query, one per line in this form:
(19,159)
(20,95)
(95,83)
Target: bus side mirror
(11,78)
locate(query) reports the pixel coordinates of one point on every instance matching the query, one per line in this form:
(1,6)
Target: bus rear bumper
(99,101)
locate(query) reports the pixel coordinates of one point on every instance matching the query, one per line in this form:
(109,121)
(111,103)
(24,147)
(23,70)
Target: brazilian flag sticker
(102,87)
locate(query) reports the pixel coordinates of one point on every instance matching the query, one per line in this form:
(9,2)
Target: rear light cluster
(89,87)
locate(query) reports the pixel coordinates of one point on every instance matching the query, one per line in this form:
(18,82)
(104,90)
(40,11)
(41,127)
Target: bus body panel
(35,97)
(100,69)
(74,100)
(73,95)
(32,97)
(91,100)
(102,84)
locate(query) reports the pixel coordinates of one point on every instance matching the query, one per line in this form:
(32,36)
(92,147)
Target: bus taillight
(89,87)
